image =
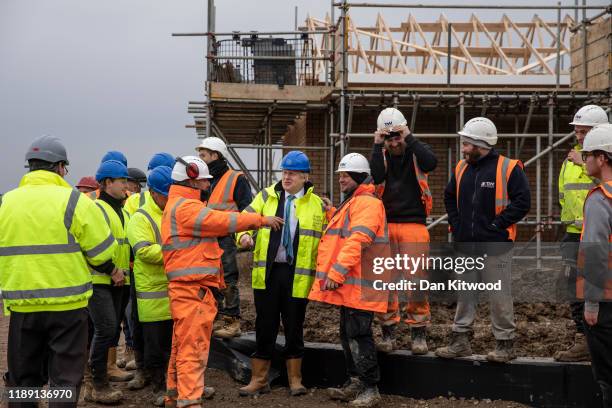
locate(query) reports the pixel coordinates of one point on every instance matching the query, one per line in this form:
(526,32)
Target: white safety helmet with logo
(214,144)
(354,162)
(190,168)
(480,132)
(598,138)
(390,118)
(590,115)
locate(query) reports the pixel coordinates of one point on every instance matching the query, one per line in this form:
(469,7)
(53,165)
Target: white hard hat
(590,115)
(598,138)
(389,118)
(180,171)
(480,129)
(354,162)
(214,144)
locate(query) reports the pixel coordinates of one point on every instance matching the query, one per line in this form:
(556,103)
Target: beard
(472,157)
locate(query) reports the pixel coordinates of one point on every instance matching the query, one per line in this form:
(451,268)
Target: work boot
(504,352)
(209,393)
(578,352)
(218,323)
(230,329)
(419,340)
(116,374)
(259,379)
(102,393)
(128,355)
(459,346)
(367,398)
(388,339)
(349,391)
(294,374)
(141,379)
(158,385)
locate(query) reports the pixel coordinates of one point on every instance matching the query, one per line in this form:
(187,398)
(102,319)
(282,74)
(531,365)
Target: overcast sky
(105,75)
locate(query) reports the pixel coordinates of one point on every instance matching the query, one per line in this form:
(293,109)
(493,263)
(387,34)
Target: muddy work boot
(459,346)
(419,340)
(127,356)
(102,393)
(116,374)
(367,398)
(209,393)
(294,375)
(387,343)
(349,391)
(259,379)
(578,352)
(230,329)
(141,379)
(504,352)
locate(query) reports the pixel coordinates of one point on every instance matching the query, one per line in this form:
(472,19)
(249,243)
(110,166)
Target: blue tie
(287,241)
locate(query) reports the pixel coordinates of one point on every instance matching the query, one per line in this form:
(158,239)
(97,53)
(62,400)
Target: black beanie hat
(358,177)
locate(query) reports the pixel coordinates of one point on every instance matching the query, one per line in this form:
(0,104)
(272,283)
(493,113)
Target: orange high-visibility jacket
(606,188)
(189,236)
(502,175)
(222,196)
(356,224)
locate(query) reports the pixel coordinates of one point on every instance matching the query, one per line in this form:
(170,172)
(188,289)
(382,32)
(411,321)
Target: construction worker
(355,225)
(136,180)
(87,185)
(150,281)
(485,198)
(138,198)
(107,305)
(594,283)
(192,261)
(48,235)
(110,155)
(400,162)
(284,270)
(229,191)
(574,185)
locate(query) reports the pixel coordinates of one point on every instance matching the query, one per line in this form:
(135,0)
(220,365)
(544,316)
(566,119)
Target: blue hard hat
(160,180)
(296,161)
(114,155)
(161,159)
(111,169)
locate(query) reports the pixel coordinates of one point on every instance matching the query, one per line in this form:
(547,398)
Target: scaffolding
(341,77)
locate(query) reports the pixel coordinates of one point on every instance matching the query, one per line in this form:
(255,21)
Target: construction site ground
(543,328)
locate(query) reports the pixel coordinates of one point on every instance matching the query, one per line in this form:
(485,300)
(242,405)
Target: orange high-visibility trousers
(411,239)
(193,309)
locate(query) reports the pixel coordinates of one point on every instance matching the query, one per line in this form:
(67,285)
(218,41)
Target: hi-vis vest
(574,185)
(355,226)
(311,221)
(136,201)
(48,233)
(222,196)
(144,234)
(606,188)
(121,257)
(502,175)
(421,176)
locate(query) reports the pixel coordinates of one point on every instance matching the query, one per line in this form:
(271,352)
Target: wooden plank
(538,56)
(269,92)
(497,48)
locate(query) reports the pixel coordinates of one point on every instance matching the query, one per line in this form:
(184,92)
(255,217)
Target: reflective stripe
(579,186)
(233,221)
(152,295)
(264,195)
(104,213)
(333,231)
(259,264)
(153,225)
(46,293)
(222,206)
(504,185)
(305,271)
(51,249)
(141,200)
(345,226)
(96,273)
(101,247)
(69,214)
(365,230)
(607,188)
(228,187)
(250,209)
(340,268)
(197,229)
(173,228)
(196,270)
(175,245)
(122,241)
(309,233)
(140,245)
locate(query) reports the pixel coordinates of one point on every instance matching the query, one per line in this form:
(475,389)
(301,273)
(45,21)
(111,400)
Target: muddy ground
(543,328)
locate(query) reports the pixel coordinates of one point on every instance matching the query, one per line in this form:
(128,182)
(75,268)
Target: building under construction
(320,88)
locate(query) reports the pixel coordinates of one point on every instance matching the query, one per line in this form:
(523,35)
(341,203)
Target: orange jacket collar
(182,191)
